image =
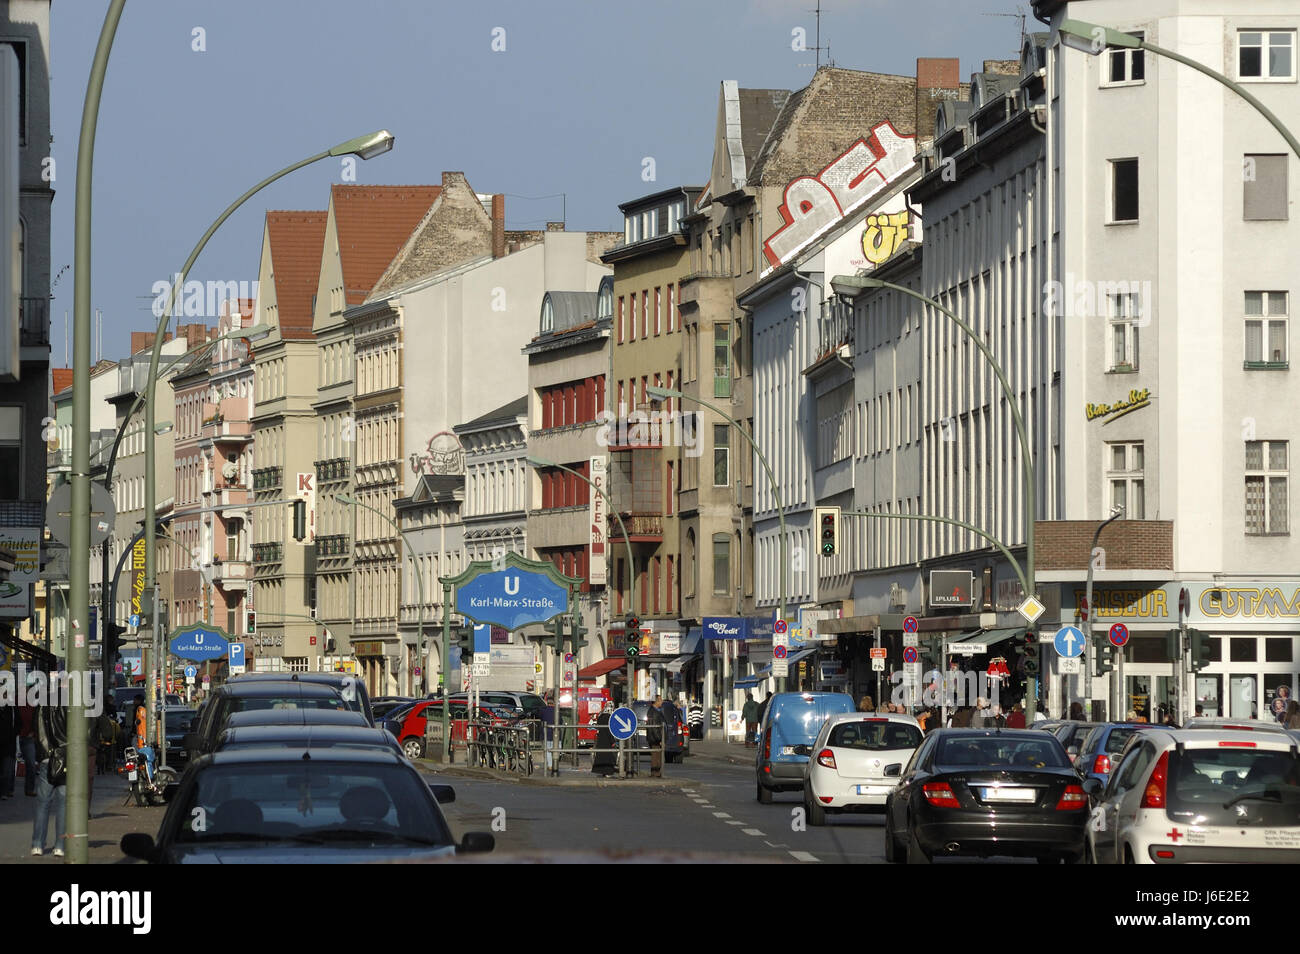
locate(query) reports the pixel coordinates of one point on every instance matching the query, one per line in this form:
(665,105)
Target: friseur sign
(199,643)
(522,592)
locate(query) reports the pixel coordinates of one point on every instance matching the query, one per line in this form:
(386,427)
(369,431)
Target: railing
(34,321)
(641,525)
(267,478)
(334,468)
(58,458)
(230,571)
(332,545)
(268,552)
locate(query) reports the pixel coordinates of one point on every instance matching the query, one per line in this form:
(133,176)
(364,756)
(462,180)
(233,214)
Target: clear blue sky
(583,90)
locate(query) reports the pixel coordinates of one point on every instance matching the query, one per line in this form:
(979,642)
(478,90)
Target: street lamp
(1092,615)
(1094,39)
(776,490)
(851,286)
(365,147)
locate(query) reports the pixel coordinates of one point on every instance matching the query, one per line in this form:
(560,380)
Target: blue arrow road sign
(1069,641)
(135,619)
(192,671)
(622,723)
(237,654)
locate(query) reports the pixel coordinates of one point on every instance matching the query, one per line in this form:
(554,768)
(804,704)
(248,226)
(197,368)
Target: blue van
(785,737)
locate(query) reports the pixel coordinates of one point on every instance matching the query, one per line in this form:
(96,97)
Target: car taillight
(826,757)
(1101,765)
(1154,796)
(940,795)
(767,744)
(1072,800)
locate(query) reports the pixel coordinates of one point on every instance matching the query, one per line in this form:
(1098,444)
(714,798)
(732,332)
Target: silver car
(1199,795)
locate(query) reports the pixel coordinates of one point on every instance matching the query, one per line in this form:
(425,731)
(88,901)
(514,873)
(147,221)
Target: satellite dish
(230,470)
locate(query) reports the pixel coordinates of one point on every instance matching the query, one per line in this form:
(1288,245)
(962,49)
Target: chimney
(498,225)
(936,80)
(143,340)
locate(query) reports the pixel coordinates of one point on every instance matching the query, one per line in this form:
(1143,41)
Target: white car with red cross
(1223,793)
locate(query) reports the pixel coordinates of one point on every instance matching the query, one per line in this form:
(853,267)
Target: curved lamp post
(776,490)
(365,147)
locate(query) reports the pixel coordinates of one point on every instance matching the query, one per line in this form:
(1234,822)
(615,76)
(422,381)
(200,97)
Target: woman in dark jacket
(604,763)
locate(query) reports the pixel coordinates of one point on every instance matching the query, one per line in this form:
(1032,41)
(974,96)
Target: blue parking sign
(236,654)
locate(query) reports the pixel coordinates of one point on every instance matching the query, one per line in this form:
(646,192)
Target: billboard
(951,588)
(16,592)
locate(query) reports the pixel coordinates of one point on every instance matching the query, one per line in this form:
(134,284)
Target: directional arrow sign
(622,723)
(1069,641)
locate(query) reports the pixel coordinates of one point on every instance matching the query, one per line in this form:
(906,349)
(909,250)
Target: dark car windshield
(1002,751)
(329,801)
(874,736)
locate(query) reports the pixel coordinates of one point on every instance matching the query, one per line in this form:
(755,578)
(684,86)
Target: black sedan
(987,792)
(280,805)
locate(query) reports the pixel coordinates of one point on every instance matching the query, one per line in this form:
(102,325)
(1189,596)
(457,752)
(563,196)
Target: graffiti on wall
(884,233)
(812,204)
(443,455)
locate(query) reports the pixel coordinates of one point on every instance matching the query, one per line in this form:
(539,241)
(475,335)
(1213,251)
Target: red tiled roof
(62,379)
(296,242)
(373,224)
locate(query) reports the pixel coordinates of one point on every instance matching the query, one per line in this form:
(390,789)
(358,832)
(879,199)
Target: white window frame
(1128,54)
(1112,168)
(1265,320)
(1129,475)
(726,449)
(1124,313)
(1268,475)
(1264,46)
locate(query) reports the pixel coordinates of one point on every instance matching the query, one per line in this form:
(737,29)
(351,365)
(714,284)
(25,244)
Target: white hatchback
(1199,795)
(856,761)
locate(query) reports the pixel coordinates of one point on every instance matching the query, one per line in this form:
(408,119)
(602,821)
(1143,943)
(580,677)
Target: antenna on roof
(1020,15)
(818,48)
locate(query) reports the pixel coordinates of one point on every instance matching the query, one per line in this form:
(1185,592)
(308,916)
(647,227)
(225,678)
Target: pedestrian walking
(51,777)
(749,712)
(695,718)
(1017,718)
(1076,712)
(654,736)
(546,714)
(1292,714)
(604,763)
(27,743)
(8,750)
(866,704)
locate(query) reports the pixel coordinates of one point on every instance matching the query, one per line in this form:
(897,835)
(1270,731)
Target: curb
(487,775)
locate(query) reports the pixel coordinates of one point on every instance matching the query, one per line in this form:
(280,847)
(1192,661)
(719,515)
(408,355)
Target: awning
(677,664)
(988,637)
(602,668)
(766,671)
(747,683)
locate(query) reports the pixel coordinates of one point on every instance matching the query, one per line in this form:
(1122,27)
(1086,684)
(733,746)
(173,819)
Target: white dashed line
(722,815)
(734,822)
(804,856)
(751,831)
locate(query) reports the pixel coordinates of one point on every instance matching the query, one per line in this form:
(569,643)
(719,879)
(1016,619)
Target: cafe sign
(1136,400)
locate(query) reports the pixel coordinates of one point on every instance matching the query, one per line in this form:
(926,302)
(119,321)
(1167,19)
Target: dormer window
(976,93)
(548,316)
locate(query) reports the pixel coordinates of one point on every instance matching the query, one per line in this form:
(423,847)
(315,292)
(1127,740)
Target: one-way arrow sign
(622,723)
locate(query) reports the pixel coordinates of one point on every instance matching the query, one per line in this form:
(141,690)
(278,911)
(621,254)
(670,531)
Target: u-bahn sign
(199,643)
(522,592)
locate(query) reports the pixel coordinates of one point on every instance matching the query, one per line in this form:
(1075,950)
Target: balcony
(227,430)
(267,478)
(268,552)
(231,574)
(335,468)
(333,545)
(34,321)
(641,528)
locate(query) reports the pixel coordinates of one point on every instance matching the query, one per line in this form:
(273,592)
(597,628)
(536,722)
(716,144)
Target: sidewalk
(733,752)
(109,821)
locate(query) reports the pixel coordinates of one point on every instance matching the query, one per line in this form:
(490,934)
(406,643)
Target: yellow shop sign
(1136,400)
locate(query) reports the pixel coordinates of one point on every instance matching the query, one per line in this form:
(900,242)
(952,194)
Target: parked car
(1102,747)
(676,742)
(350,687)
(381,706)
(987,792)
(179,722)
(525,704)
(247,807)
(294,717)
(786,734)
(305,737)
(1221,724)
(1071,735)
(1199,795)
(408,724)
(856,761)
(239,695)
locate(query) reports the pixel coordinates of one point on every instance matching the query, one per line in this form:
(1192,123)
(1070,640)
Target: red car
(408,723)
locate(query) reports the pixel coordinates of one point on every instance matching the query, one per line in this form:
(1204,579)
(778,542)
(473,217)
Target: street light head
(539,462)
(254,332)
(367,147)
(344,498)
(1093,39)
(849,286)
(163,427)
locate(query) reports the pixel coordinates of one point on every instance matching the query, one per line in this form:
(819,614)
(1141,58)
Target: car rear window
(1001,751)
(1117,738)
(1235,786)
(874,735)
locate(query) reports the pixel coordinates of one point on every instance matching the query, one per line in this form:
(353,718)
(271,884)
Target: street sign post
(910,624)
(622,723)
(237,658)
(909,654)
(1070,665)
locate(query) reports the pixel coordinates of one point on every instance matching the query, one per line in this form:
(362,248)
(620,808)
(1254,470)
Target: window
(1123,190)
(620,319)
(721,361)
(658,310)
(1266,492)
(645,313)
(1266,54)
(721,563)
(668,584)
(721,454)
(1124,66)
(672,490)
(1264,188)
(672,307)
(631,317)
(689,592)
(1124,476)
(1266,329)
(1125,309)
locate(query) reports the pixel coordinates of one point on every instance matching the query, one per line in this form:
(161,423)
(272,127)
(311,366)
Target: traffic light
(632,635)
(1173,644)
(1105,655)
(579,634)
(112,639)
(251,628)
(633,650)
(828,520)
(556,640)
(1027,646)
(465,641)
(1200,644)
(300,520)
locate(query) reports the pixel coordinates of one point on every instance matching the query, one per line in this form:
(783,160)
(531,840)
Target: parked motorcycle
(146,782)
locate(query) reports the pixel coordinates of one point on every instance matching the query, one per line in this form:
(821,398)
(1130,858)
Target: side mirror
(170,790)
(442,793)
(1072,752)
(138,845)
(894,770)
(1092,787)
(476,841)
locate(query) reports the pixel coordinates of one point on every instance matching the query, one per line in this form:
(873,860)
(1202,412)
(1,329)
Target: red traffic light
(633,622)
(1030,638)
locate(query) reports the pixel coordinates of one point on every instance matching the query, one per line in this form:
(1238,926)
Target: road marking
(804,856)
(722,815)
(751,831)
(689,791)
(707,805)
(733,822)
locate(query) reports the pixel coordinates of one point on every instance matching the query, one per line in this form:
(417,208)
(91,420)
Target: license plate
(787,750)
(131,776)
(874,789)
(1008,795)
